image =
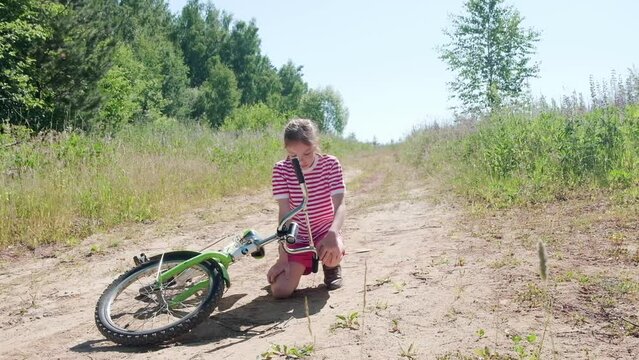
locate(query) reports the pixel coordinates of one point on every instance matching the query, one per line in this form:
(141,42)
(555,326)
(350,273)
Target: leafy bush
(513,158)
(254,117)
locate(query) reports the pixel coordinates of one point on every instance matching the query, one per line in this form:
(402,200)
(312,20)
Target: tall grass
(513,158)
(61,187)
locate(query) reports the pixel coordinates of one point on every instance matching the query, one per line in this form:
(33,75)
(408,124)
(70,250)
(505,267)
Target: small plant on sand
(381,305)
(399,286)
(95,249)
(533,296)
(348,321)
(508,261)
(287,352)
(409,353)
(525,347)
(395,326)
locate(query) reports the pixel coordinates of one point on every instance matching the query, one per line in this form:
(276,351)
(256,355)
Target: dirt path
(430,287)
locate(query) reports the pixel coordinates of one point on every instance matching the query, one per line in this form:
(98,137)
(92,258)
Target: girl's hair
(302,130)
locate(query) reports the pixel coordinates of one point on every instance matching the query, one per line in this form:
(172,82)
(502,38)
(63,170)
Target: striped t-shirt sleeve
(336,178)
(280,189)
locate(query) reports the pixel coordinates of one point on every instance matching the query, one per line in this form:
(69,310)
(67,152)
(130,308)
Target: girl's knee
(281,291)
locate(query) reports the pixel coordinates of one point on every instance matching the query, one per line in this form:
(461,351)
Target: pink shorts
(305,259)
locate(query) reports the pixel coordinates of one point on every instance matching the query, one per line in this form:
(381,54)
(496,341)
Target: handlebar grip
(293,228)
(298,169)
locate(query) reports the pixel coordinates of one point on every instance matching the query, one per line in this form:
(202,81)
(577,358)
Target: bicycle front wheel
(136,310)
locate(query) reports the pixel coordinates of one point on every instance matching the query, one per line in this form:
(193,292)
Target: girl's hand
(279,268)
(331,248)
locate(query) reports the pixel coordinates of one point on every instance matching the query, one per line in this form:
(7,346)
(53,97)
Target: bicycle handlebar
(281,228)
(285,234)
(298,169)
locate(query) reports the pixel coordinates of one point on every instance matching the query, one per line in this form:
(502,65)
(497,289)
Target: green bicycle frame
(222,259)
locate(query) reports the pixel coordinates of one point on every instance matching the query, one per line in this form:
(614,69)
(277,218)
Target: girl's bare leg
(286,283)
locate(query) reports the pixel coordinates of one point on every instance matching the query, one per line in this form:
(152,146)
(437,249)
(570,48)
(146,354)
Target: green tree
(25,27)
(165,76)
(219,95)
(490,52)
(88,35)
(325,107)
(256,77)
(200,31)
(122,90)
(293,87)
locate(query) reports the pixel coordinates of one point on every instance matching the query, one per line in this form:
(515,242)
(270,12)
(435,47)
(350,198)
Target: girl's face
(305,153)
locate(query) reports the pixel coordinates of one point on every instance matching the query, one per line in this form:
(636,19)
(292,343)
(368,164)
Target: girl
(326,210)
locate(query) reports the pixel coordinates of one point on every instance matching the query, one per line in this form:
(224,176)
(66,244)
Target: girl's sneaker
(333,277)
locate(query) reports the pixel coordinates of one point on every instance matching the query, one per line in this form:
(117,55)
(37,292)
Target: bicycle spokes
(145,303)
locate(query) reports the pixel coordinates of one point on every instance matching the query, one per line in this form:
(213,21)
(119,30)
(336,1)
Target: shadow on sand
(263,316)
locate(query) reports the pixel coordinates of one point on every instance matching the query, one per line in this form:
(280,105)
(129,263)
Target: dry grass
(59,188)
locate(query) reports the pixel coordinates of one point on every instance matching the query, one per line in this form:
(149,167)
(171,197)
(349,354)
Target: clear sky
(381,56)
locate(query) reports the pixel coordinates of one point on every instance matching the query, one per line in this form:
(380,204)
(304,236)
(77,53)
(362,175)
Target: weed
(288,352)
(460,262)
(395,326)
(348,321)
(532,296)
(578,320)
(381,305)
(543,259)
(508,260)
(399,286)
(618,253)
(440,260)
(571,275)
(617,238)
(308,317)
(452,313)
(409,353)
(95,249)
(484,353)
(32,301)
(458,356)
(525,348)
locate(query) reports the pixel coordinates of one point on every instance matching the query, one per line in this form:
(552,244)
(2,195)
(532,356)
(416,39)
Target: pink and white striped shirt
(323,180)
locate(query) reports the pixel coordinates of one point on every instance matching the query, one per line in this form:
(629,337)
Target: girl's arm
(331,247)
(284,208)
(340,213)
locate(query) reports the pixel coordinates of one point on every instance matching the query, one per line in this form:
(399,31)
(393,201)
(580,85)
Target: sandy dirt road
(417,264)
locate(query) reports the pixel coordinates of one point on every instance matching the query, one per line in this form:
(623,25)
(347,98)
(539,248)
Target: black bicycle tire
(166,334)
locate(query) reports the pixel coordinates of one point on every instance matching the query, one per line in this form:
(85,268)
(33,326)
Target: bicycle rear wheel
(135,310)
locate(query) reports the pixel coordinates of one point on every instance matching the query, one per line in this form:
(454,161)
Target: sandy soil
(426,280)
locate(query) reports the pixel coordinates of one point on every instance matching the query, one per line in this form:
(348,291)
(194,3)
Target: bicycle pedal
(139,260)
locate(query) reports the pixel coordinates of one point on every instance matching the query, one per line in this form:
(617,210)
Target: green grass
(61,187)
(512,159)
